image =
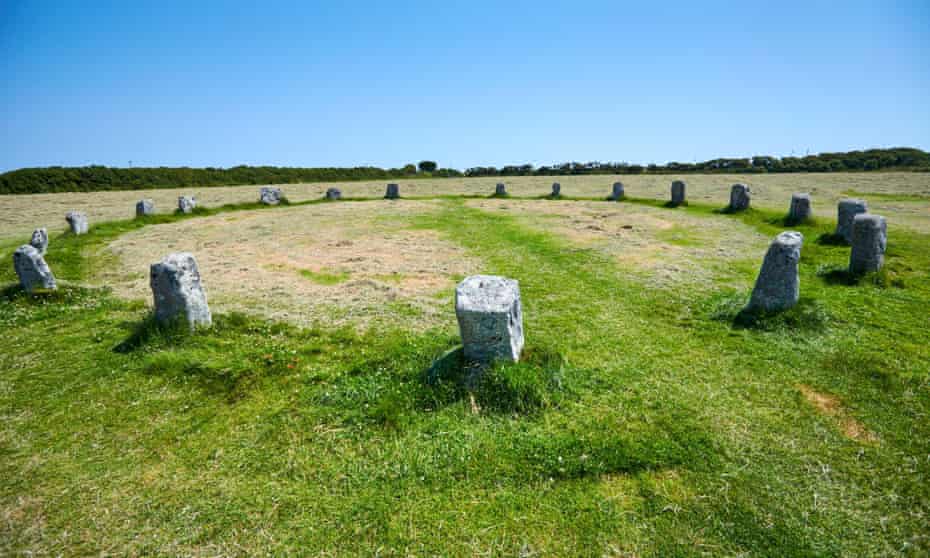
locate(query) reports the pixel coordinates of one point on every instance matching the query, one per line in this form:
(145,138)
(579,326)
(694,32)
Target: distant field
(905,195)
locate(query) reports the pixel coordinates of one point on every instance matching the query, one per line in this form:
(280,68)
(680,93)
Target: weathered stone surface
(177,291)
(556,190)
(77,221)
(869,238)
(617,193)
(800,209)
(269,196)
(678,192)
(778,284)
(500,189)
(392,192)
(846,210)
(739,197)
(145,207)
(186,204)
(34,274)
(490,318)
(333,194)
(39,240)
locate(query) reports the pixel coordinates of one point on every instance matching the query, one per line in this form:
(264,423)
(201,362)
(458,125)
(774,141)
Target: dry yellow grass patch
(662,245)
(830,405)
(332,264)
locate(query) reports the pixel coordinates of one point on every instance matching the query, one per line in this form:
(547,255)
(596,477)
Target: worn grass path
(675,432)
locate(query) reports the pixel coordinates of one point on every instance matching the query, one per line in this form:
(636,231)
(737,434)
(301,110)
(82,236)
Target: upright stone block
(39,240)
(500,189)
(77,221)
(778,285)
(846,210)
(490,318)
(333,194)
(177,291)
(186,204)
(269,196)
(800,209)
(678,192)
(617,193)
(739,197)
(145,207)
(34,274)
(556,190)
(392,192)
(869,239)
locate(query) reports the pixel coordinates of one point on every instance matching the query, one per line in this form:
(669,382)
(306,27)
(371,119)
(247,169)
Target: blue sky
(464,83)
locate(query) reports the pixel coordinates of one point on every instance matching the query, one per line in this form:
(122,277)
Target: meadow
(324,413)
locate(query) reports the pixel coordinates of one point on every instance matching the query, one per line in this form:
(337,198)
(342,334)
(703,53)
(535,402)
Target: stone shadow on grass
(808,316)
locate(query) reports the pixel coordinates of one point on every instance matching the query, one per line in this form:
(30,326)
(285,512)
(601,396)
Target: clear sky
(465,83)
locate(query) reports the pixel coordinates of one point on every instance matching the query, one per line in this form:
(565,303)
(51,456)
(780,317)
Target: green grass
(643,422)
(325,277)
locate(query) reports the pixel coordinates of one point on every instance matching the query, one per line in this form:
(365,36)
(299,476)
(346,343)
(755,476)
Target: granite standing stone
(186,204)
(869,238)
(739,197)
(678,192)
(39,240)
(617,193)
(846,210)
(490,318)
(500,189)
(778,284)
(333,194)
(34,274)
(177,291)
(145,207)
(269,196)
(800,209)
(556,190)
(77,221)
(392,192)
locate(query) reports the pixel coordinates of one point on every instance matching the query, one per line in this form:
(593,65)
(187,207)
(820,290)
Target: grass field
(645,420)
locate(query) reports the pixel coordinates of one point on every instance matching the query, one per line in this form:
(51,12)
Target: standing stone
(739,197)
(617,193)
(800,209)
(269,196)
(186,204)
(778,284)
(176,288)
(846,210)
(333,194)
(145,207)
(869,238)
(34,274)
(77,221)
(39,240)
(556,190)
(490,318)
(500,189)
(392,192)
(678,192)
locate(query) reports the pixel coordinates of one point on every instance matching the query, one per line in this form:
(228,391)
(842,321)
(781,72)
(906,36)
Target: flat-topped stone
(869,239)
(800,208)
(77,222)
(556,190)
(739,197)
(39,240)
(490,318)
(177,291)
(333,194)
(186,204)
(392,192)
(145,207)
(500,189)
(617,193)
(778,284)
(846,210)
(678,192)
(269,195)
(34,274)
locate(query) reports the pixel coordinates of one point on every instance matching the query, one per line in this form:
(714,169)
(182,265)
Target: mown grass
(643,422)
